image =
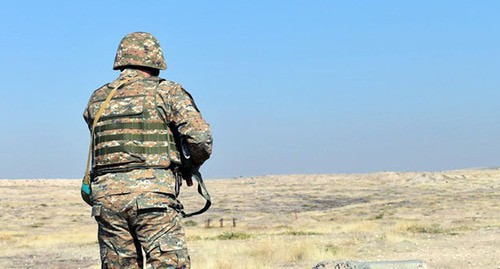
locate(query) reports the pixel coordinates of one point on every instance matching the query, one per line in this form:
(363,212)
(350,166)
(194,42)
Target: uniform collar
(127,74)
(130,73)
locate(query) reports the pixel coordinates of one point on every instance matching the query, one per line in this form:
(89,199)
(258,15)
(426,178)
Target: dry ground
(449,219)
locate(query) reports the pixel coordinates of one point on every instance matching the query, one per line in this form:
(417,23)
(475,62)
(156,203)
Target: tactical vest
(132,132)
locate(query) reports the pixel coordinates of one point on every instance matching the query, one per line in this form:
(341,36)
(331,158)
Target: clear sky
(287,86)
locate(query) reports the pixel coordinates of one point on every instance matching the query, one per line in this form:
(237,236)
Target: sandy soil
(449,219)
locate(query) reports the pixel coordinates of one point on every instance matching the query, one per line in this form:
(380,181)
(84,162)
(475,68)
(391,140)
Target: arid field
(449,219)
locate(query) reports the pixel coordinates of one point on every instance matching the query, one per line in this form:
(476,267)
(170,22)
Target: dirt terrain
(449,219)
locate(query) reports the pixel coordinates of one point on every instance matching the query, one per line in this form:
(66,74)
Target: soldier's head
(140,50)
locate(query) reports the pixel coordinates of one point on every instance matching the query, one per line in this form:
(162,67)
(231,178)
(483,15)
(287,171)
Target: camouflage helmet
(139,49)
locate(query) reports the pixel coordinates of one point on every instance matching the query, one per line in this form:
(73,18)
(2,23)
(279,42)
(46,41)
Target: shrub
(300,233)
(190,223)
(232,236)
(432,229)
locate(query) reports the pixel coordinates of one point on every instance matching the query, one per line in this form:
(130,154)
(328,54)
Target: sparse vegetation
(429,229)
(300,233)
(436,229)
(233,236)
(332,249)
(36,225)
(362,217)
(190,223)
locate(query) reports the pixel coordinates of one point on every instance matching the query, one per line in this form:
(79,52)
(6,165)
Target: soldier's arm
(190,124)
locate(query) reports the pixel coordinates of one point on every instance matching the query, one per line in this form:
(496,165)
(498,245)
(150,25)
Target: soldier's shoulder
(169,86)
(169,83)
(100,92)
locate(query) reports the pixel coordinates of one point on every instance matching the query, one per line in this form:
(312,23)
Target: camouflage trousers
(132,223)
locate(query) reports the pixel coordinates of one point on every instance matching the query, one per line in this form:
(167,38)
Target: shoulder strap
(94,123)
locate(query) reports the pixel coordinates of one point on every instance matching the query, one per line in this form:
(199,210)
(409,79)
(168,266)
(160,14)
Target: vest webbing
(132,125)
(131,149)
(141,137)
(137,137)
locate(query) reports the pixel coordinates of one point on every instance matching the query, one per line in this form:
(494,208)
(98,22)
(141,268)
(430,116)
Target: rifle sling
(202,190)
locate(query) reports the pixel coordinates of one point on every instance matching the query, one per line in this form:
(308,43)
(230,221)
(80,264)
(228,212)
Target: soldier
(134,186)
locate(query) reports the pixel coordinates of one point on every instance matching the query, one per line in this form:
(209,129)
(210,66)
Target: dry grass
(449,219)
(259,251)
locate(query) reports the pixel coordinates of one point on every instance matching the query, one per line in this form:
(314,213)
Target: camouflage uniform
(133,186)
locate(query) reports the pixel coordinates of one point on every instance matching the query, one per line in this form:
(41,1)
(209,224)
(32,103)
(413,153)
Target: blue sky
(287,86)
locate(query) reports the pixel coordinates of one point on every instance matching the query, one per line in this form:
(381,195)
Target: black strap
(202,190)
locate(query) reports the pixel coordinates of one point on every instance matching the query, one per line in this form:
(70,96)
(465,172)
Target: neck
(146,73)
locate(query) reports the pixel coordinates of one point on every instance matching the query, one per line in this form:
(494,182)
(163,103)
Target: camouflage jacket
(170,106)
